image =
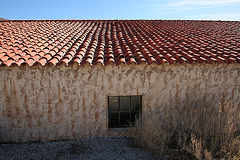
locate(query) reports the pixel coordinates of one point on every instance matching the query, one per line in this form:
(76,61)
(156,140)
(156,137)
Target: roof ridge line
(94,20)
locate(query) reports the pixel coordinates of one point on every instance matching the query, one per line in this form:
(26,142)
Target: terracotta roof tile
(118,41)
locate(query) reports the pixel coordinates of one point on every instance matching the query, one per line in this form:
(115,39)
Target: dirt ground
(86,149)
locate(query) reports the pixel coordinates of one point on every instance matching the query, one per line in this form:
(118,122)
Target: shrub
(192,132)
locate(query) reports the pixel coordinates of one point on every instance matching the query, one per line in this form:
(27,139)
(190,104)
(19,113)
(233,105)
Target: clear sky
(121,9)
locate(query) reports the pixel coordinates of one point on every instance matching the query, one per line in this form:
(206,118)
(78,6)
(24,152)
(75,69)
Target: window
(123,110)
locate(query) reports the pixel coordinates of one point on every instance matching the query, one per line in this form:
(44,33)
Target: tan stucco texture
(60,102)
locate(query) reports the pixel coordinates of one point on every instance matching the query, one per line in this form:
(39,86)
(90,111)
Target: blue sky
(121,9)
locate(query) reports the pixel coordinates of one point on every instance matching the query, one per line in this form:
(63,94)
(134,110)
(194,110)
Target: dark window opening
(123,110)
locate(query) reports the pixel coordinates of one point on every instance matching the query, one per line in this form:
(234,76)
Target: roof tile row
(118,41)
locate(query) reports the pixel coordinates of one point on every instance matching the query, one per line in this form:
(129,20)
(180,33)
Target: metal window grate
(123,110)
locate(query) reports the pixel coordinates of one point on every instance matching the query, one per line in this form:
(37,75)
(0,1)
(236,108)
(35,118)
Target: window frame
(130,111)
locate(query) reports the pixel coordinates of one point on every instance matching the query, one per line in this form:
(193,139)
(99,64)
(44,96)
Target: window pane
(124,118)
(113,103)
(113,120)
(134,115)
(125,103)
(135,102)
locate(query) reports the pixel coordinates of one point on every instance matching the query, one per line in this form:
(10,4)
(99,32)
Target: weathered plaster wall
(54,103)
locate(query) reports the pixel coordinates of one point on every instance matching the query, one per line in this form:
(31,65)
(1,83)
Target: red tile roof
(118,41)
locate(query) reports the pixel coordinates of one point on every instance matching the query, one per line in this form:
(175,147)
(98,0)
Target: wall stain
(7,100)
(28,114)
(96,116)
(49,113)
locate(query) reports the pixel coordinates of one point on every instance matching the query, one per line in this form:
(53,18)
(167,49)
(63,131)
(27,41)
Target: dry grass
(192,132)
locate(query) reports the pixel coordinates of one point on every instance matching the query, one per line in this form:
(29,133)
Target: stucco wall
(54,103)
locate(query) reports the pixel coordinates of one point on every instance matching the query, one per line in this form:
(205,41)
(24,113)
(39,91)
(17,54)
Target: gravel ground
(86,149)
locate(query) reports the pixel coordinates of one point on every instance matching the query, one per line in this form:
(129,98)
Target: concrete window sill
(120,129)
